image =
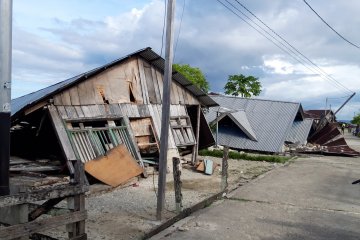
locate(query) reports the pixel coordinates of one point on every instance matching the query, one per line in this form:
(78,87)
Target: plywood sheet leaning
(115,168)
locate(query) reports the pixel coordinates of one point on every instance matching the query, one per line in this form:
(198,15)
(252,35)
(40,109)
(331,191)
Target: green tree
(243,86)
(356,119)
(194,75)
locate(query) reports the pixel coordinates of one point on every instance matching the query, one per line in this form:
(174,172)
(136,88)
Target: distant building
(318,114)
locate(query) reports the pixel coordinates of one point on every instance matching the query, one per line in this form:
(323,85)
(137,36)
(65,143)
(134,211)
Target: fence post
(177,184)
(224,169)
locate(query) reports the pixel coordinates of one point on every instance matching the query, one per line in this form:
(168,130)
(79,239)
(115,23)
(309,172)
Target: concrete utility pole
(5,92)
(347,100)
(165,118)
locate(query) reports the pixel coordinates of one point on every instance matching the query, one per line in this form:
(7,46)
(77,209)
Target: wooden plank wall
(103,111)
(114,86)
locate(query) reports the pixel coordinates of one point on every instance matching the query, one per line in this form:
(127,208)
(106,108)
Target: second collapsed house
(258,125)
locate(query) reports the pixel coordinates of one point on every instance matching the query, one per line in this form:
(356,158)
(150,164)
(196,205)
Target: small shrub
(244,156)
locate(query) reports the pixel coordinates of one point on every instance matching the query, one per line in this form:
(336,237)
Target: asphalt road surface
(310,198)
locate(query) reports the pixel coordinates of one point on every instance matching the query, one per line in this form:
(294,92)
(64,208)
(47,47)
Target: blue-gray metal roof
(270,121)
(242,121)
(21,103)
(299,131)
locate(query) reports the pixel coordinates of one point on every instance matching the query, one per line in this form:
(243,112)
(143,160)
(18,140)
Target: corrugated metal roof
(299,131)
(18,104)
(270,121)
(242,121)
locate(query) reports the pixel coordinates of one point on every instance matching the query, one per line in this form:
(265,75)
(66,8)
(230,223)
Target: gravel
(129,211)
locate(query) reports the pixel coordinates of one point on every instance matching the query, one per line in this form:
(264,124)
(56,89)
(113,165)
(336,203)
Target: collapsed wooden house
(119,103)
(111,112)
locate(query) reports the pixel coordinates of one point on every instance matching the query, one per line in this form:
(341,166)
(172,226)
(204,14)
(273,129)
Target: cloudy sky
(56,39)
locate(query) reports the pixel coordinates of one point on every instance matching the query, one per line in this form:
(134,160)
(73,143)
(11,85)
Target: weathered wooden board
(156,86)
(26,229)
(159,77)
(79,112)
(115,168)
(143,110)
(144,87)
(61,134)
(117,84)
(174,99)
(57,100)
(86,92)
(71,112)
(62,112)
(56,192)
(132,75)
(74,96)
(150,85)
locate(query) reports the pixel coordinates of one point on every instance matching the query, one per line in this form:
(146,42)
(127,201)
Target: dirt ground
(129,211)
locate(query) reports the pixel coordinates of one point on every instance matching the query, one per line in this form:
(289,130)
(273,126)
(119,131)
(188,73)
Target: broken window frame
(92,142)
(186,131)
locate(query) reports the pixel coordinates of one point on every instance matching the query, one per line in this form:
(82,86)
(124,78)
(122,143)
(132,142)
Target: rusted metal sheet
(330,143)
(343,150)
(326,134)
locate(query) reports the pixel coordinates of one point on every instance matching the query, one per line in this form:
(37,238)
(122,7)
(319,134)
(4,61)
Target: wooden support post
(77,204)
(224,169)
(197,134)
(177,184)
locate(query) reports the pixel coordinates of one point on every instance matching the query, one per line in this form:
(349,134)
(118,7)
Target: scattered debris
(115,168)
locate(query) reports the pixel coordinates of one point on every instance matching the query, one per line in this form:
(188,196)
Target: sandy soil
(129,211)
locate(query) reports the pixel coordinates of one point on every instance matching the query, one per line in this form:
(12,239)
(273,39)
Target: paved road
(311,198)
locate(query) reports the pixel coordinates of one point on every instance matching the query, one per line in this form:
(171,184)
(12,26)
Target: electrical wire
(163,29)
(181,19)
(285,48)
(295,49)
(330,26)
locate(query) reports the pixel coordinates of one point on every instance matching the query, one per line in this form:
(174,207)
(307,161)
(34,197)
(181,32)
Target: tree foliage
(195,75)
(243,86)
(356,119)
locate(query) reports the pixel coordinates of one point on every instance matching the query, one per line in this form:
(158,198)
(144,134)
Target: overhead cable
(181,19)
(287,48)
(330,26)
(163,29)
(295,49)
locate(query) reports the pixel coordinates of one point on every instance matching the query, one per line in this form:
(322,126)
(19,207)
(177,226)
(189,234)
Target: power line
(291,53)
(330,26)
(181,19)
(163,29)
(295,49)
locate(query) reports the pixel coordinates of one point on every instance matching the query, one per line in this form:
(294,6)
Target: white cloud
(54,46)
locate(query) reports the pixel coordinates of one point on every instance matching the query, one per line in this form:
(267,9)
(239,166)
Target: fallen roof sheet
(331,142)
(18,104)
(270,120)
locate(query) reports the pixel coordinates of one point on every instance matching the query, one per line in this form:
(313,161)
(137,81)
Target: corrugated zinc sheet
(299,131)
(242,121)
(270,121)
(149,55)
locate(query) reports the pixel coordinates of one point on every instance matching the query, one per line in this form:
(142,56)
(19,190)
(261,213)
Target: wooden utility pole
(177,184)
(224,169)
(165,118)
(5,92)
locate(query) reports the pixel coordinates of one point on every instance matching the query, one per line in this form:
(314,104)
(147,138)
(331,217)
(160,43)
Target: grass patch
(244,156)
